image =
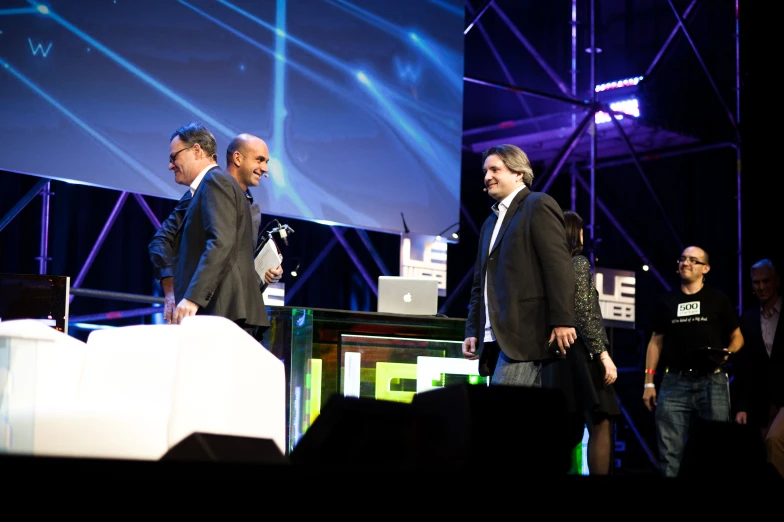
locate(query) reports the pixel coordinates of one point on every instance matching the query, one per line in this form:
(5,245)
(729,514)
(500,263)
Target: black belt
(692,373)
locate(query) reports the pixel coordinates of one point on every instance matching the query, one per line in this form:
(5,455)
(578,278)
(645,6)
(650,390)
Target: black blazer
(760,379)
(161,247)
(530,279)
(213,262)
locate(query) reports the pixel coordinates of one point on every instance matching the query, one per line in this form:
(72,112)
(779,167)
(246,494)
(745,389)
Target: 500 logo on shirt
(686,309)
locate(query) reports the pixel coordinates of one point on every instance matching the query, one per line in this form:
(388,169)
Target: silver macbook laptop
(408,295)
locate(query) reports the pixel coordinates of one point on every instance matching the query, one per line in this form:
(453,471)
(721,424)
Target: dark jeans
(680,400)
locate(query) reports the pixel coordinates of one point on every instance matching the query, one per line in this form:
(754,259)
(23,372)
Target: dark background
(698,191)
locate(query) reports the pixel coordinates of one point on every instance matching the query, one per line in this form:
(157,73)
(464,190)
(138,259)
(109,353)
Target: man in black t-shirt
(691,326)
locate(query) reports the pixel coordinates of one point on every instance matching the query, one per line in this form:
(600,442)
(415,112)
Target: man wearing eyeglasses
(206,245)
(690,328)
(162,245)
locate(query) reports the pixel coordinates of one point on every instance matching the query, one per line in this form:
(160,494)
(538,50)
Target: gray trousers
(516,373)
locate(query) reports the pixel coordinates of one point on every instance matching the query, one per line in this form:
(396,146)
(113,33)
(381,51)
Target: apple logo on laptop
(407,297)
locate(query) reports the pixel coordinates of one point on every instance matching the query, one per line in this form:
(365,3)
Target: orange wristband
(648,370)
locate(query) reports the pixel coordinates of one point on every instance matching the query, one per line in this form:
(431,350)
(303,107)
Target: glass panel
(300,378)
(396,368)
(389,349)
(18,360)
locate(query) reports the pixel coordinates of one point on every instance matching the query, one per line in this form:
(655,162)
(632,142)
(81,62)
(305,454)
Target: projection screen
(360,102)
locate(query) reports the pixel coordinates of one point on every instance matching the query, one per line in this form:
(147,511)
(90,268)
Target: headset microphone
(484,189)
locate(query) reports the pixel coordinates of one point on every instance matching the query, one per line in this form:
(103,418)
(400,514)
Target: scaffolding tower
(624,140)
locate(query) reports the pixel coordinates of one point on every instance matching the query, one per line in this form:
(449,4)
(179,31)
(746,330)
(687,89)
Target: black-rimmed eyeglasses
(173,157)
(692,260)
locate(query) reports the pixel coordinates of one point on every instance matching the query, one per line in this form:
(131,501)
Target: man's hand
(740,417)
(184,309)
(649,398)
(565,335)
(168,308)
(272,276)
(168,299)
(469,348)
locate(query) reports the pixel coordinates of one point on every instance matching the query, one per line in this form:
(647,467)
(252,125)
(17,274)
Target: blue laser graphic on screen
(279,104)
(143,76)
(367,16)
(39,48)
(315,51)
(127,158)
(424,147)
(406,71)
(392,113)
(18,11)
(457,11)
(428,50)
(440,59)
(395,114)
(276,165)
(277,145)
(318,79)
(328,87)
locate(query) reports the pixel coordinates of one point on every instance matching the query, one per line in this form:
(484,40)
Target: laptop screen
(408,295)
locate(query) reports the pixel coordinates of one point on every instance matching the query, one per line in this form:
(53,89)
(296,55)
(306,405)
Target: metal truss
(43,188)
(593,106)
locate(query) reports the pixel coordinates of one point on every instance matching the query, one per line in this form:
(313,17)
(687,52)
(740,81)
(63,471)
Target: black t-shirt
(693,321)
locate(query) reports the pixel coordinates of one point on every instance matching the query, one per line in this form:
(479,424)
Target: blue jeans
(680,400)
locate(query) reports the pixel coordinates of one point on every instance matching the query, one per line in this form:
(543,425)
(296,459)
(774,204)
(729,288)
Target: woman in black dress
(601,369)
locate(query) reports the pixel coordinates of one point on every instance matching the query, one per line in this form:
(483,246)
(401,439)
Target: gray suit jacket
(530,279)
(161,247)
(213,262)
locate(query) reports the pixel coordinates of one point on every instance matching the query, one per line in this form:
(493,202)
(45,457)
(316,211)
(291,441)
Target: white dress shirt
(769,325)
(499,209)
(200,177)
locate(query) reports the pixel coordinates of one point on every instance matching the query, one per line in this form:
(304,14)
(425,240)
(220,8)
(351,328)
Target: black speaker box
(500,427)
(725,449)
(353,432)
(458,427)
(205,447)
